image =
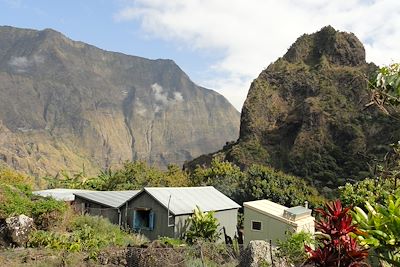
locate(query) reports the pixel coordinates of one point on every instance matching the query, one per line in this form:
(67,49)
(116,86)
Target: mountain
(305,113)
(66,104)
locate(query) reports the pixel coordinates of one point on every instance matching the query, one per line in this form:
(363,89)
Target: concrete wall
(96,209)
(271,229)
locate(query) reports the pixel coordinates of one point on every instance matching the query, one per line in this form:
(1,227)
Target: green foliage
(262,182)
(292,248)
(385,87)
(47,212)
(375,190)
(133,175)
(13,177)
(87,234)
(223,175)
(203,226)
(14,201)
(172,242)
(381,227)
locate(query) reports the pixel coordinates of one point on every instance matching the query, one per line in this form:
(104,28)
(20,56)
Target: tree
(223,175)
(132,175)
(262,182)
(385,87)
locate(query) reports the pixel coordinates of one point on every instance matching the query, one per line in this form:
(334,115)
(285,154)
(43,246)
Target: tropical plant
(336,246)
(385,87)
(380,228)
(133,175)
(203,226)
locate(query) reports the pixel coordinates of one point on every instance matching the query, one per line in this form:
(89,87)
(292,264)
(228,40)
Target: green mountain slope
(305,113)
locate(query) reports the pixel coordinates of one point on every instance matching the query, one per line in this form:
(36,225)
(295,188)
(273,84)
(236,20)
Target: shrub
(87,234)
(292,248)
(336,247)
(380,228)
(203,226)
(262,182)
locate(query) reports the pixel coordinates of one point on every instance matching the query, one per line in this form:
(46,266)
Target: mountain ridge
(76,104)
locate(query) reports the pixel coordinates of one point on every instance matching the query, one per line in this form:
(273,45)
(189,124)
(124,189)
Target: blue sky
(220,44)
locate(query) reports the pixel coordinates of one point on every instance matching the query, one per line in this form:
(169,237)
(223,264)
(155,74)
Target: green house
(163,211)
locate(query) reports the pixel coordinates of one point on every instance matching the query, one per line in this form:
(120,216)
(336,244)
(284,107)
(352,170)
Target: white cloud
(19,63)
(22,64)
(254,33)
(178,97)
(162,99)
(159,95)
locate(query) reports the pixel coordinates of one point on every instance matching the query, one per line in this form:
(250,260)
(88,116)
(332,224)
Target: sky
(221,44)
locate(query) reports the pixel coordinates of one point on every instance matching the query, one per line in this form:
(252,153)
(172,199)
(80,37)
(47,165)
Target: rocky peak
(328,44)
(305,114)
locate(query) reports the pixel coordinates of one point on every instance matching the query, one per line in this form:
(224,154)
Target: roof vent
(296,213)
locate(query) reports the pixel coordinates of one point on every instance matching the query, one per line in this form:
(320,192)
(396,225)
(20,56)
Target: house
(266,220)
(63,194)
(163,211)
(107,204)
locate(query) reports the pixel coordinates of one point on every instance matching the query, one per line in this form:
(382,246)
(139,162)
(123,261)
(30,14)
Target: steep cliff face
(305,113)
(65,103)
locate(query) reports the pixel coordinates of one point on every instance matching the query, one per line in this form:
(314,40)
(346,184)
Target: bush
(203,226)
(292,249)
(262,182)
(375,190)
(380,228)
(336,245)
(86,234)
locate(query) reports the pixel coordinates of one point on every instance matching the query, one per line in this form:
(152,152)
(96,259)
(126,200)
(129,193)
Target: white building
(266,220)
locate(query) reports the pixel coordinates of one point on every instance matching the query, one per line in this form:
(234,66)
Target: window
(256,225)
(143,219)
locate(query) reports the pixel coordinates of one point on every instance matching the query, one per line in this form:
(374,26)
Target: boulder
(18,229)
(261,253)
(255,254)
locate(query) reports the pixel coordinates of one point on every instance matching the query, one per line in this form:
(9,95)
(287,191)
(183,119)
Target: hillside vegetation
(306,114)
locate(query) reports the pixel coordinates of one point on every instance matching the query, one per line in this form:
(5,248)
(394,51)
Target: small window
(143,219)
(171,220)
(256,225)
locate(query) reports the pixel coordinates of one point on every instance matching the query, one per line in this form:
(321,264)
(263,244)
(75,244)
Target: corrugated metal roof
(185,199)
(60,193)
(114,199)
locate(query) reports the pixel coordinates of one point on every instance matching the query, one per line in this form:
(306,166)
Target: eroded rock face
(305,114)
(65,104)
(18,229)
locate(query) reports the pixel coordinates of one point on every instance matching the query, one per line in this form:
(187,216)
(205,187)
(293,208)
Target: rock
(86,106)
(19,228)
(256,253)
(305,114)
